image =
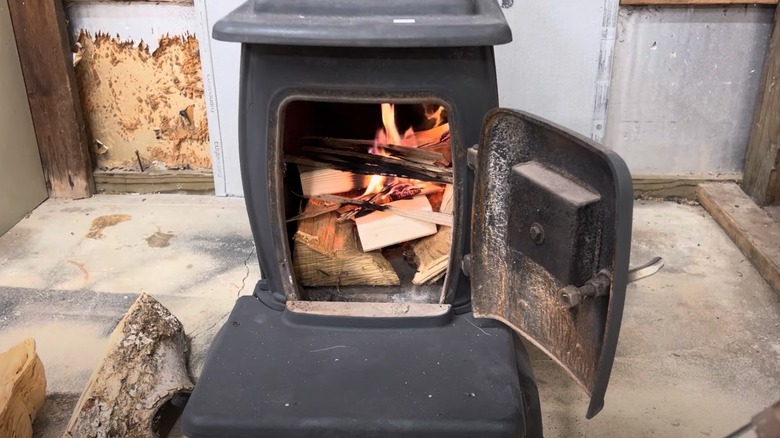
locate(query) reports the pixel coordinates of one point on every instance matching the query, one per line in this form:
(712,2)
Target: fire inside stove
(369,200)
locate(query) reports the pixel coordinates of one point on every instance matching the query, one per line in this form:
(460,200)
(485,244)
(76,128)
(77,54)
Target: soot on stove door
(369,199)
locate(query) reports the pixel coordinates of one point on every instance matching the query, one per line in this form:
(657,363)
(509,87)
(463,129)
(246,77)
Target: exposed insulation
(152,103)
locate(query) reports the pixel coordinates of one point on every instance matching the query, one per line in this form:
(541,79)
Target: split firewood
(391,193)
(142,371)
(425,156)
(437,134)
(444,148)
(328,181)
(327,253)
(412,211)
(22,389)
(433,253)
(384,228)
(369,164)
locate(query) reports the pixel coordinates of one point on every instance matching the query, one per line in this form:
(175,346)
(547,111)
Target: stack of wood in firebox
(367,195)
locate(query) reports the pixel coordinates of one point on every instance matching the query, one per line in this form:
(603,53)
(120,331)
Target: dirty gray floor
(699,352)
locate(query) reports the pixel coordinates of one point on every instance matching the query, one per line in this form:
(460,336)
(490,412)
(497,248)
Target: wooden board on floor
(754,232)
(761,180)
(674,187)
(44,53)
(181,181)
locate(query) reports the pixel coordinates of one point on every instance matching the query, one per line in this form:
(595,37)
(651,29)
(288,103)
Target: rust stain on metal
(134,99)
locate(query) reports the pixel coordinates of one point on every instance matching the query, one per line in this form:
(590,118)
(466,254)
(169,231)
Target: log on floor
(22,389)
(143,370)
(327,253)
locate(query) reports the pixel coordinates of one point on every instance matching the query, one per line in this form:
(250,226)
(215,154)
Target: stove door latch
(598,286)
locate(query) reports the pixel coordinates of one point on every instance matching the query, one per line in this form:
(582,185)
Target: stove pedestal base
(282,374)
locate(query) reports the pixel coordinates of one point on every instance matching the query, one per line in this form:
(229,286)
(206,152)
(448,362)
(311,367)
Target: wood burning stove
(535,223)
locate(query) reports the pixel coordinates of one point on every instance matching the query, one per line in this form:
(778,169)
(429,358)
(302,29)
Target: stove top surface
(360,23)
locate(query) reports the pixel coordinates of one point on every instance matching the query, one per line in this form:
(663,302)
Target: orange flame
(384,136)
(389,135)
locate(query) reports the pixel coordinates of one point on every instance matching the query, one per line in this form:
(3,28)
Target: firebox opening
(369,199)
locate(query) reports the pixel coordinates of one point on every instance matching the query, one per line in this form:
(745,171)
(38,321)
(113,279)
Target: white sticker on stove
(404,20)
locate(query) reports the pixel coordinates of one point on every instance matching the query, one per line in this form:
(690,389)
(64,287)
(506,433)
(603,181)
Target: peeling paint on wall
(152,102)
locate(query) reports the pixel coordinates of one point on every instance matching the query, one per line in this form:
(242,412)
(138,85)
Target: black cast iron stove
(540,237)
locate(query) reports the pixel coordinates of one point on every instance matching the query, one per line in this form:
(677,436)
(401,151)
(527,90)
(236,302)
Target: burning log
(414,211)
(369,164)
(327,253)
(386,227)
(433,253)
(418,155)
(442,148)
(437,134)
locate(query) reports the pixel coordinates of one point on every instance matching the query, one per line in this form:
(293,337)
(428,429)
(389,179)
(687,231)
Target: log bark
(327,253)
(143,368)
(22,389)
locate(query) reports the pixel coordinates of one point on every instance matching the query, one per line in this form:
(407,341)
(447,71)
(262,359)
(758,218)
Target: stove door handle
(650,268)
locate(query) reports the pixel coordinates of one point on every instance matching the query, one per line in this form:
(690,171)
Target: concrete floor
(699,351)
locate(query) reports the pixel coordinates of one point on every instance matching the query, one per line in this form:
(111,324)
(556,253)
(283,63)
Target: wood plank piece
(761,180)
(381,229)
(44,53)
(181,181)
(754,232)
(674,187)
(697,2)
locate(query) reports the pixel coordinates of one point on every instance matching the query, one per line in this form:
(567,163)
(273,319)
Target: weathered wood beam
(45,56)
(674,187)
(753,231)
(761,180)
(151,181)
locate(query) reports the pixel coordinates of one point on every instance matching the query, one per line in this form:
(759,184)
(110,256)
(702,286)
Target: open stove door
(550,242)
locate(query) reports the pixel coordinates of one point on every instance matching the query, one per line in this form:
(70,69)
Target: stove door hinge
(465,265)
(598,286)
(471,157)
